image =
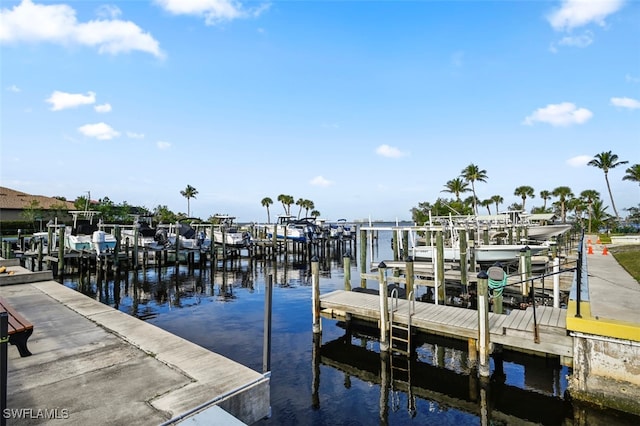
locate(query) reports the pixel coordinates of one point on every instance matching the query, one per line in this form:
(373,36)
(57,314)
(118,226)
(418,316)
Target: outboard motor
(161,237)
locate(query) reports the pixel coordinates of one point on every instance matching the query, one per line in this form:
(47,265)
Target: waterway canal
(342,379)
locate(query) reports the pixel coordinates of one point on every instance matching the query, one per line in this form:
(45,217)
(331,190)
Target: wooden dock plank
(514,330)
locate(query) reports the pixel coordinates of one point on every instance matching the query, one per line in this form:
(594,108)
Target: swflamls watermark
(36,413)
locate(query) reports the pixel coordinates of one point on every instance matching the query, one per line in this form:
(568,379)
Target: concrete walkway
(93,364)
(613,292)
(609,297)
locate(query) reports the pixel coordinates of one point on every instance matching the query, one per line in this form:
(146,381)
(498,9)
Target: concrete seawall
(93,364)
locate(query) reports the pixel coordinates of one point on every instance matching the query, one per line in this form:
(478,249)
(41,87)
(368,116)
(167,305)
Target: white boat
(546,232)
(487,253)
(340,229)
(85,235)
(189,237)
(292,229)
(226,232)
(148,237)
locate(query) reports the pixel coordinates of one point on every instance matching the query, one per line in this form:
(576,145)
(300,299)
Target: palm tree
(589,196)
(456,186)
(286,201)
(189,192)
(605,161)
(487,203)
(563,193)
(498,200)
(473,173)
(545,195)
(308,205)
(315,213)
(300,203)
(633,173)
(524,192)
(266,202)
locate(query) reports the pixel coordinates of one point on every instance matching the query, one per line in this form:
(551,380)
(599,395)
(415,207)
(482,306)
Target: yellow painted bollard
(384,308)
(483,325)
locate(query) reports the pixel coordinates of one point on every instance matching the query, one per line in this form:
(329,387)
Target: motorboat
(486,253)
(293,229)
(85,235)
(188,236)
(147,236)
(226,232)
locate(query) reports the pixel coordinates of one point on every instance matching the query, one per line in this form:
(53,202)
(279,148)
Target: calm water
(340,379)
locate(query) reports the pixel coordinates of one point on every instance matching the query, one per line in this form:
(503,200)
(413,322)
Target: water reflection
(221,308)
(440,378)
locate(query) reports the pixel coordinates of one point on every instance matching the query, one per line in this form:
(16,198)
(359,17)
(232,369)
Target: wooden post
(384,307)
(395,244)
(266,347)
(177,232)
(483,325)
(409,277)
(136,237)
(442,292)
(346,261)
(556,282)
(51,236)
(523,271)
(464,280)
(315,280)
(61,251)
(363,256)
(473,352)
(116,254)
(485,236)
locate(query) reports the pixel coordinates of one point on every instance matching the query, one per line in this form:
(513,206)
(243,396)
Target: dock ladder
(401,350)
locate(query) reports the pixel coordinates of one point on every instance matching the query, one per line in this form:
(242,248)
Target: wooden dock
(544,335)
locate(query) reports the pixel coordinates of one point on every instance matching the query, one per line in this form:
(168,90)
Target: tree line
(588,203)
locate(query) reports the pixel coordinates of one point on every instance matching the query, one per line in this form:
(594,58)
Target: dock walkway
(93,364)
(514,331)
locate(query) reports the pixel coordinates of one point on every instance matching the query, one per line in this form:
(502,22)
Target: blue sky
(367,108)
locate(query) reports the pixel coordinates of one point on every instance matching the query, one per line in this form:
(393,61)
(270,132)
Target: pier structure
(128,255)
(597,334)
(93,364)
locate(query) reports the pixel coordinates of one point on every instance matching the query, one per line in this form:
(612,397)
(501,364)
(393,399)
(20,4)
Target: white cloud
(579,161)
(213,11)
(108,11)
(13,88)
(583,40)
(61,100)
(563,114)
(577,13)
(625,103)
(57,23)
(133,135)
(103,108)
(163,145)
(320,181)
(389,151)
(99,131)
